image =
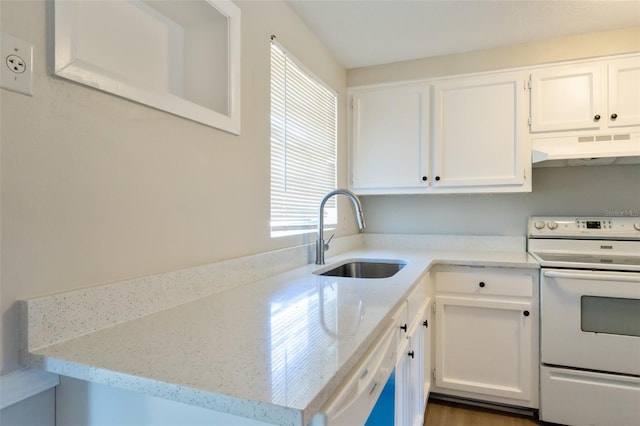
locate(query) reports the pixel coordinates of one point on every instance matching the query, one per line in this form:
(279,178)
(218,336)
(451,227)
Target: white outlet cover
(16,66)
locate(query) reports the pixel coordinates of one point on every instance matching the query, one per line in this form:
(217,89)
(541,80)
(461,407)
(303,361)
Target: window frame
(306,222)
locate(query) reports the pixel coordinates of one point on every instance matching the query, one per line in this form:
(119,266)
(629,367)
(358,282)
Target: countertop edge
(270,413)
(486,264)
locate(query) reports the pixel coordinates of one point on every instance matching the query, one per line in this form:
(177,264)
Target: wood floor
(449,414)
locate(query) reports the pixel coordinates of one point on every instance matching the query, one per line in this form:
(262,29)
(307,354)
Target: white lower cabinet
(427,348)
(410,375)
(486,335)
(410,370)
(403,386)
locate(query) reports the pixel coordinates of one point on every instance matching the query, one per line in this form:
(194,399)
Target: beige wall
(567,48)
(97,189)
(571,191)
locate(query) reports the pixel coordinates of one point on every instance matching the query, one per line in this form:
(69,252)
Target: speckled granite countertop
(273,350)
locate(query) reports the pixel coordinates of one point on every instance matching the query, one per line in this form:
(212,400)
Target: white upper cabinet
(586,96)
(567,97)
(480,134)
(390,139)
(473,133)
(624,92)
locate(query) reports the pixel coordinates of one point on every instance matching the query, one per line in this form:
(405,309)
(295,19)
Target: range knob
(539,224)
(636,226)
(552,225)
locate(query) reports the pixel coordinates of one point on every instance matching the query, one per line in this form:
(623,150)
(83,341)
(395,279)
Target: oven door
(591,320)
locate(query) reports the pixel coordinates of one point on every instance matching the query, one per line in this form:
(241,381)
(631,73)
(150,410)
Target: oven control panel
(584,227)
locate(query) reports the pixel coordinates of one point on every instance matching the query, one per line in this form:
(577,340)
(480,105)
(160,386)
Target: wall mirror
(178,56)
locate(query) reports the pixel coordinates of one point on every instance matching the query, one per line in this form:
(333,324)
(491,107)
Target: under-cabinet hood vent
(586,150)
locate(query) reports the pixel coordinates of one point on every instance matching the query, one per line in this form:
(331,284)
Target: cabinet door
(416,372)
(427,327)
(480,131)
(402,374)
(484,346)
(389,145)
(624,92)
(410,373)
(568,97)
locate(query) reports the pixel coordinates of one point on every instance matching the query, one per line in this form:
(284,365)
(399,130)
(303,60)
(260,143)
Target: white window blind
(303,147)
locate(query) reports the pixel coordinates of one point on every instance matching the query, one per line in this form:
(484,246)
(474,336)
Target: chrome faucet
(321,246)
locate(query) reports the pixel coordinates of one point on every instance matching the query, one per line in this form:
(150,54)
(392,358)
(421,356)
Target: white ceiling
(370,32)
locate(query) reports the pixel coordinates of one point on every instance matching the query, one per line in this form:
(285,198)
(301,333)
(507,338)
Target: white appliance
(590,318)
(623,148)
(356,398)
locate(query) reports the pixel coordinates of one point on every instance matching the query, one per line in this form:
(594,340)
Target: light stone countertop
(273,350)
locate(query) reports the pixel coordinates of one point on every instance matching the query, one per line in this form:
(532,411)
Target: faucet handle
(326,245)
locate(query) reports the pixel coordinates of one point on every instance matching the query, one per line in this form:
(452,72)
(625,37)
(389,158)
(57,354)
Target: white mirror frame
(67,64)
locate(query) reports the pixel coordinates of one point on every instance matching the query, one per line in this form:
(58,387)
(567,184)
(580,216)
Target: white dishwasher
(356,398)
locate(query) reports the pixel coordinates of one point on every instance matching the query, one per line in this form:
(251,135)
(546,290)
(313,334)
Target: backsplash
(63,316)
(59,317)
(444,242)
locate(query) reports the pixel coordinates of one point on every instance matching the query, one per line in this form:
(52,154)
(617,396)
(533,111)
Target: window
(303,147)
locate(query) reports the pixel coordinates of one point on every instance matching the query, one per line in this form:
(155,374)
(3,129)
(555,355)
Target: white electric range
(590,318)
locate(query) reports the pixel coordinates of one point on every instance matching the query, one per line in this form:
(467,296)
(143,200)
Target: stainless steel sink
(365,269)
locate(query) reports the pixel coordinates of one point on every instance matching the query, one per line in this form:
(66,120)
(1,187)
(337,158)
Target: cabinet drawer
(484,282)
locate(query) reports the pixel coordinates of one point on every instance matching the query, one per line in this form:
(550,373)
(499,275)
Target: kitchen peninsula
(253,344)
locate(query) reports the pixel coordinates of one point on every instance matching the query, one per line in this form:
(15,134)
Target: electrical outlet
(16,69)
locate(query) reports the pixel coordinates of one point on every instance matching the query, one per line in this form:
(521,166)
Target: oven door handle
(593,276)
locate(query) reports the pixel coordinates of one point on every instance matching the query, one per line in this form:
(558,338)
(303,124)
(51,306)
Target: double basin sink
(364,268)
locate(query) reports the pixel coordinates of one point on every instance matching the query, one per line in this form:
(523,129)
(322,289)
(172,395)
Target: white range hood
(599,149)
